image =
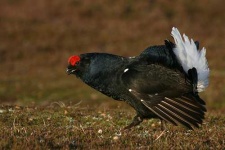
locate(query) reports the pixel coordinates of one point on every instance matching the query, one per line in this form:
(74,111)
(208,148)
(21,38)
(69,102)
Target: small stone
(2,111)
(31,119)
(115,138)
(100,131)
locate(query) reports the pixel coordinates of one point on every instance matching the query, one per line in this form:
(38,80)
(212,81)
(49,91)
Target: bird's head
(77,64)
(73,63)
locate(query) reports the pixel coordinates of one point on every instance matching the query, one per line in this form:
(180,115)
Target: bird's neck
(103,75)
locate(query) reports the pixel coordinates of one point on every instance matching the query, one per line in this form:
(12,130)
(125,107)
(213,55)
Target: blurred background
(37,37)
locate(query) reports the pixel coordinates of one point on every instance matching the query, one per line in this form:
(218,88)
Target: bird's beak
(70,71)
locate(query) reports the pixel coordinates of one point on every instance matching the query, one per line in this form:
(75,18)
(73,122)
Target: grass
(38,37)
(73,127)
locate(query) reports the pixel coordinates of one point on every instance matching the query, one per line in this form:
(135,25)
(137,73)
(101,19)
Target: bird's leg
(162,125)
(136,121)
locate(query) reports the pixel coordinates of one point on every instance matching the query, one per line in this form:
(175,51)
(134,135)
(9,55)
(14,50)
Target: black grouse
(162,82)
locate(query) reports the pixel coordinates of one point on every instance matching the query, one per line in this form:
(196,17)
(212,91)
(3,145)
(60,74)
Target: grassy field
(73,127)
(42,107)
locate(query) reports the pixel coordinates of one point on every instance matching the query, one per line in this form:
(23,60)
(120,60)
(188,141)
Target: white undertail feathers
(189,56)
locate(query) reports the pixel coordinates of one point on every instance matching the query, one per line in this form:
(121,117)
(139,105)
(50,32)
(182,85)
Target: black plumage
(153,83)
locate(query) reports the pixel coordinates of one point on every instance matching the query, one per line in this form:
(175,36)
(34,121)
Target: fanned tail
(190,57)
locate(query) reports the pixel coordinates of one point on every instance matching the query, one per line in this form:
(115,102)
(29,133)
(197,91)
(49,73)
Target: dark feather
(193,76)
(166,93)
(175,111)
(197,44)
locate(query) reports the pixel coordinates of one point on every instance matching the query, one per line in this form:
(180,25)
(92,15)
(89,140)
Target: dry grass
(70,127)
(37,37)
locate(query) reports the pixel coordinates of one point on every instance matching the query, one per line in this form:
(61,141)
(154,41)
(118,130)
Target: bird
(163,82)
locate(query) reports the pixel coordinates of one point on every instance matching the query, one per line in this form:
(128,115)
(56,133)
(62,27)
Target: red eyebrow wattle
(73,60)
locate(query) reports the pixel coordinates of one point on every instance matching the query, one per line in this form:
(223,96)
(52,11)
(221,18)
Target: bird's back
(161,54)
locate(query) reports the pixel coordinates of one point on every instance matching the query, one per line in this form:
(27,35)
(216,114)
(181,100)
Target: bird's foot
(136,121)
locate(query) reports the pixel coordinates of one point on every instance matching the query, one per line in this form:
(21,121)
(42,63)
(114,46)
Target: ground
(71,127)
(42,107)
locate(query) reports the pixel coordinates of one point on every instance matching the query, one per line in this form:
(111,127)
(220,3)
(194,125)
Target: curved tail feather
(190,57)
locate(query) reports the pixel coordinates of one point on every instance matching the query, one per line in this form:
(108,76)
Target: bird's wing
(161,54)
(165,93)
